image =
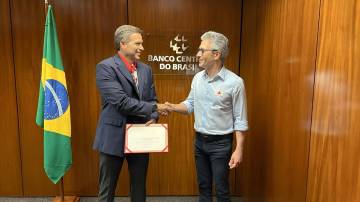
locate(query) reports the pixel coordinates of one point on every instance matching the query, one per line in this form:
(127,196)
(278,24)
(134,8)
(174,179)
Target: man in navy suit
(128,96)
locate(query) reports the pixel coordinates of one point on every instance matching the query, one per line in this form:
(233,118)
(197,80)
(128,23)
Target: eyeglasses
(201,50)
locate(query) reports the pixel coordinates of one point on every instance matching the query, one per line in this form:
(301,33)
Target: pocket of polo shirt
(222,102)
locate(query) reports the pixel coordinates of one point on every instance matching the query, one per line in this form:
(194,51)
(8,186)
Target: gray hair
(219,42)
(123,32)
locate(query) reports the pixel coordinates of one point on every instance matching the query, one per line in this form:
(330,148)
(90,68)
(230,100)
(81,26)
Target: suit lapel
(141,77)
(126,73)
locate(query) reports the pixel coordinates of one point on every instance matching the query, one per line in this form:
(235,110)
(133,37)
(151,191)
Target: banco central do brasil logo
(178,46)
(56,99)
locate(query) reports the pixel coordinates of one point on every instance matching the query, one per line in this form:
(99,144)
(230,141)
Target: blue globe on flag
(56,99)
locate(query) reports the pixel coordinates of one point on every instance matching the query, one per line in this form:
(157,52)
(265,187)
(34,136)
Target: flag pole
(64,198)
(46,2)
(46,7)
(62,189)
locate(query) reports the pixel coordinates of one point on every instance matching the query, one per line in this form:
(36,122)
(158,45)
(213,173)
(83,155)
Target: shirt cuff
(188,106)
(241,126)
(155,116)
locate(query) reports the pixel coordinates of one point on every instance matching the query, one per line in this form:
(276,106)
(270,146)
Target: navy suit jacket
(122,102)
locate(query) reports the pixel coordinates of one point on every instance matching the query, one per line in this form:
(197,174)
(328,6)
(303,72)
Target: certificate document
(146,139)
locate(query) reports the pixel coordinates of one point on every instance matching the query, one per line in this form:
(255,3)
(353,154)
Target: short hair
(219,42)
(123,32)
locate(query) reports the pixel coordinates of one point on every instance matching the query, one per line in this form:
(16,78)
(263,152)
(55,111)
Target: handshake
(166,108)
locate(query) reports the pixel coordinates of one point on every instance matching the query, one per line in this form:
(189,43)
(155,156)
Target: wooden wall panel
(174,173)
(278,64)
(85,29)
(334,170)
(10,164)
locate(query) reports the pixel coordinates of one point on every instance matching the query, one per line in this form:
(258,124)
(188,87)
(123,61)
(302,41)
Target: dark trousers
(110,167)
(212,156)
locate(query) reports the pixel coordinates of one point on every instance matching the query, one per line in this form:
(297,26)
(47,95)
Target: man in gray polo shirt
(217,98)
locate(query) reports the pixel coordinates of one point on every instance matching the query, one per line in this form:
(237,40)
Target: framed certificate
(146,139)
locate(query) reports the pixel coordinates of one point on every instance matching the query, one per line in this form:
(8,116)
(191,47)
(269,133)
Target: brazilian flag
(53,112)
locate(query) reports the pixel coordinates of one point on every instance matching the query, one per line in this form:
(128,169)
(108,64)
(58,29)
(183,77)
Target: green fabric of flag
(53,112)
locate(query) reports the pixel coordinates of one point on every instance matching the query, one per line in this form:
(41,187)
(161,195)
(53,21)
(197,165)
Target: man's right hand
(181,107)
(163,109)
(171,107)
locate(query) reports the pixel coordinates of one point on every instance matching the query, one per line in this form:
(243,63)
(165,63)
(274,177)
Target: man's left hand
(151,121)
(235,159)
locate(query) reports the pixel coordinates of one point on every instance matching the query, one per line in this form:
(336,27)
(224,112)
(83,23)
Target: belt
(210,138)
